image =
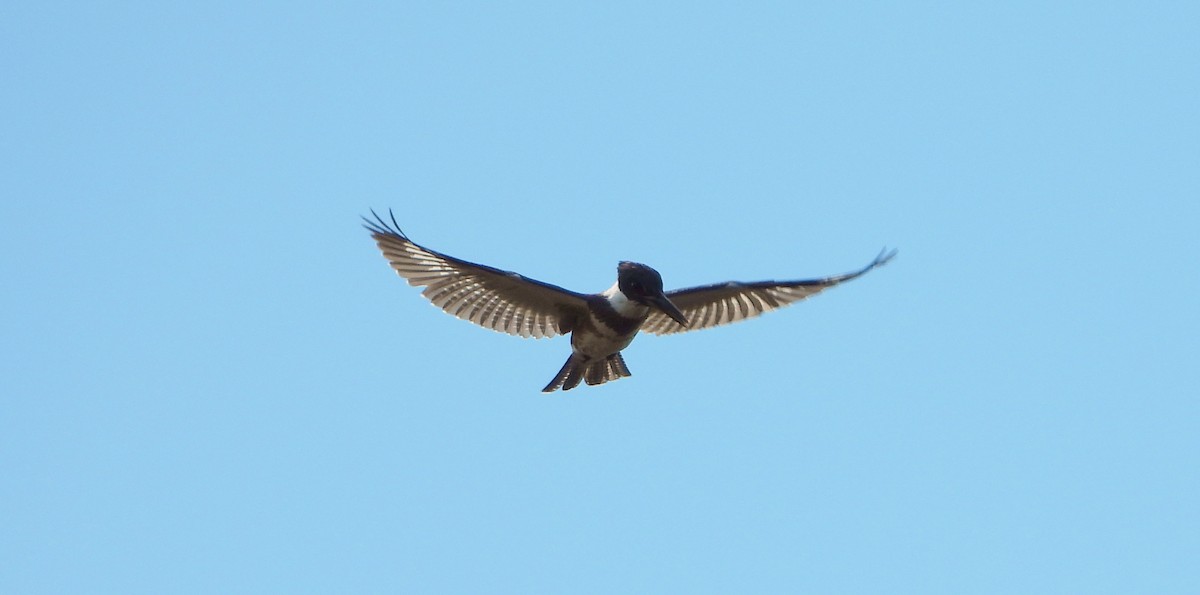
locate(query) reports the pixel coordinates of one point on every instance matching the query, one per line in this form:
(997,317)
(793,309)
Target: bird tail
(592,371)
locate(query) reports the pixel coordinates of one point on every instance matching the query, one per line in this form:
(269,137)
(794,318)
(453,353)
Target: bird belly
(598,345)
(598,340)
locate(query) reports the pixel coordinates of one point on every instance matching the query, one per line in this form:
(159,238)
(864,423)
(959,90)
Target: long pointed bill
(662,303)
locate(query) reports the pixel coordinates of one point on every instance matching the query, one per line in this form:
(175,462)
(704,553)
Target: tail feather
(571,367)
(592,371)
(616,365)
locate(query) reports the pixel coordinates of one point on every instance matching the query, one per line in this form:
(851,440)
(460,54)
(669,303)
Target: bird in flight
(600,324)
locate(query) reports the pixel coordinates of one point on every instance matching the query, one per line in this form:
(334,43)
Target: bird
(601,324)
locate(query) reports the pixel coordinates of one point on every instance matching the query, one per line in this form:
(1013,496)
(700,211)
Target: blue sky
(213,383)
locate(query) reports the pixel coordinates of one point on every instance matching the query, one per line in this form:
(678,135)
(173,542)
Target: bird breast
(612,324)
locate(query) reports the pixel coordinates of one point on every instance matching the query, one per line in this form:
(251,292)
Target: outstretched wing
(499,300)
(723,303)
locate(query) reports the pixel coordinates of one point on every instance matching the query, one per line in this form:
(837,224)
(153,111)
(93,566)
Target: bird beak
(662,303)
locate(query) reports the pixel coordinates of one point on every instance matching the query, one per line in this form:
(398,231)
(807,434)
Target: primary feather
(500,300)
(722,303)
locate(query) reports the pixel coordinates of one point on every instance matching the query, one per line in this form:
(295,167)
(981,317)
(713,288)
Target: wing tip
(885,256)
(380,226)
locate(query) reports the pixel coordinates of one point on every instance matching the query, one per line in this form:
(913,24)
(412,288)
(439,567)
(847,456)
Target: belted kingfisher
(600,324)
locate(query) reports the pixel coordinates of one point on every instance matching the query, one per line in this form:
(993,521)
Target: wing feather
(492,298)
(722,303)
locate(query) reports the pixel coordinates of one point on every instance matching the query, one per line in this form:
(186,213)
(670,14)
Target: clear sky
(212,382)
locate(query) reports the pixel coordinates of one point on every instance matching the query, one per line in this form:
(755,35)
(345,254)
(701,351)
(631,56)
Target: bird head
(644,285)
